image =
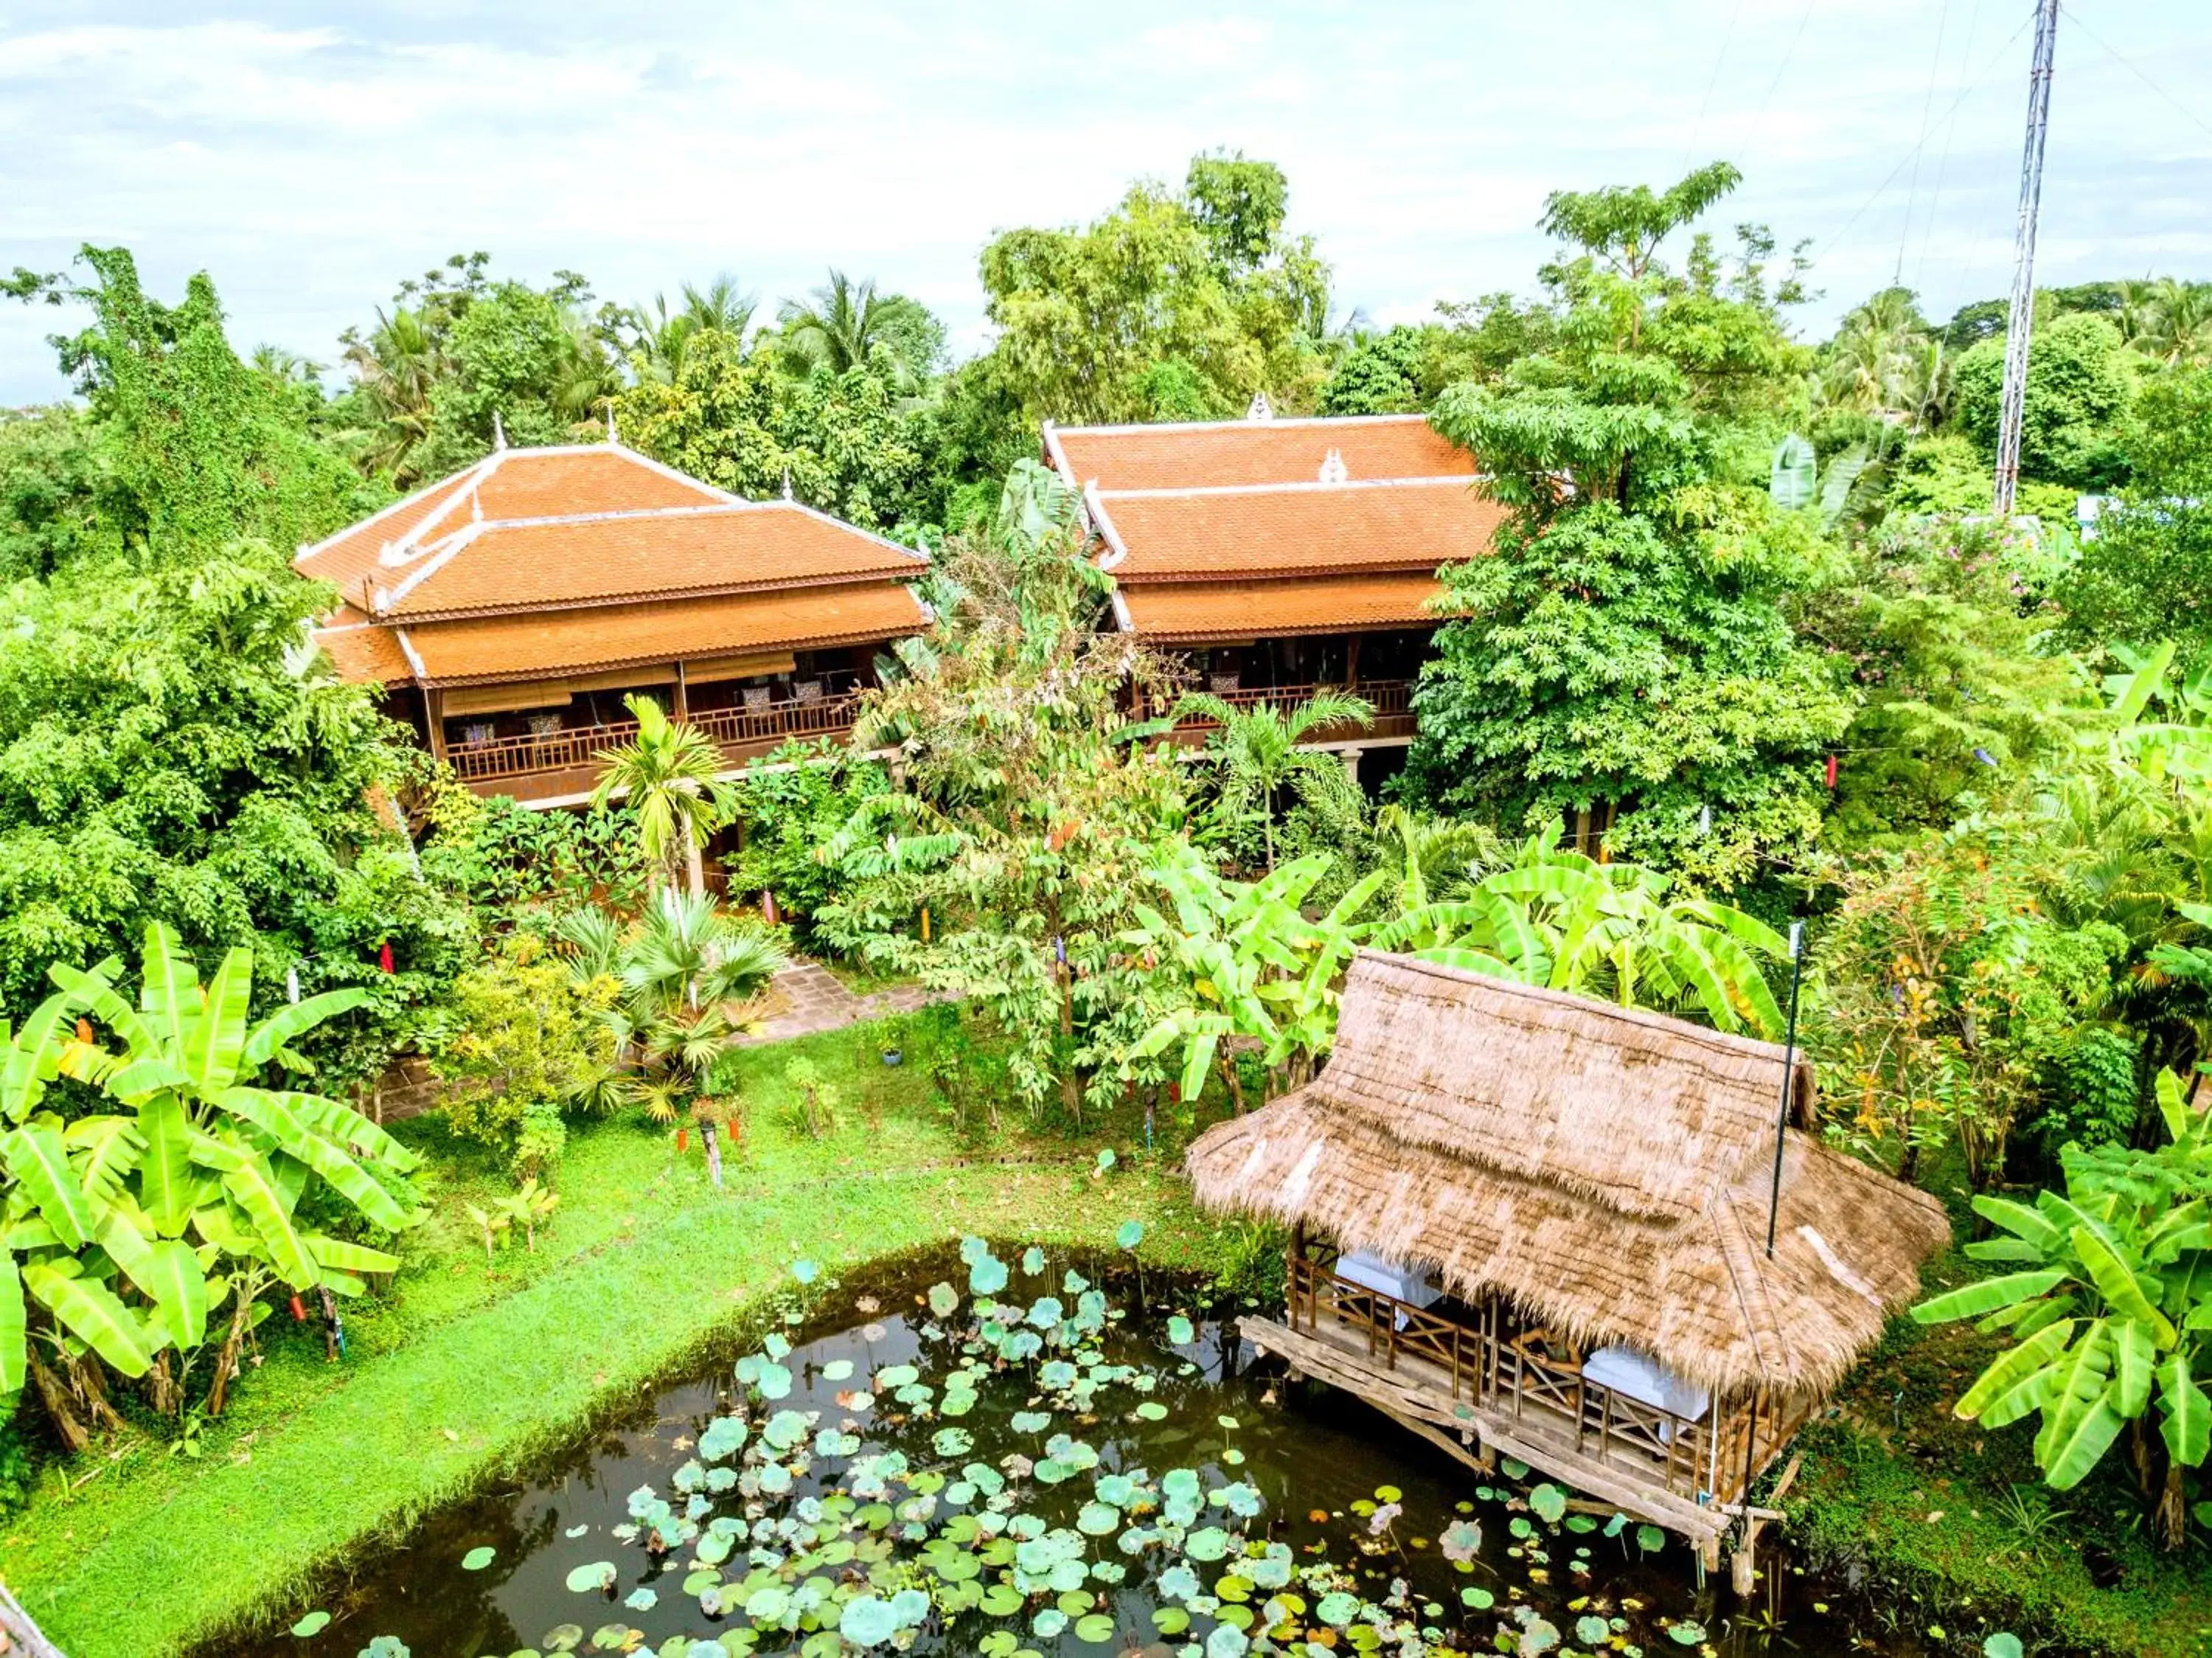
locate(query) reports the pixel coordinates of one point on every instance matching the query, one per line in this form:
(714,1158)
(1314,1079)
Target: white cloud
(310,168)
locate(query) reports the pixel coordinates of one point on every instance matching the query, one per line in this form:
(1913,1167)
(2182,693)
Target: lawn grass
(468,1367)
(1951,1520)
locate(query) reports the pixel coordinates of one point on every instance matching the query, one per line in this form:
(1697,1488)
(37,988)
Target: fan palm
(1258,754)
(665,770)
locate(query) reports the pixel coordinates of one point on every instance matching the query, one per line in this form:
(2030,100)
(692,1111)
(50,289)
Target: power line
(1927,104)
(1790,52)
(1712,80)
(1943,165)
(2201,124)
(1828,245)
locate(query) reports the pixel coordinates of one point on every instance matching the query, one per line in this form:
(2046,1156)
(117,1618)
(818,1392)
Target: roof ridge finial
(611,438)
(1259,408)
(498,431)
(1333,469)
(786,483)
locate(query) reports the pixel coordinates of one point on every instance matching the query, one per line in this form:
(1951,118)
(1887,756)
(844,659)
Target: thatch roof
(1607,1168)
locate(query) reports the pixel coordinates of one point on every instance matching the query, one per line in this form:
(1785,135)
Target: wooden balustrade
(1490,1368)
(1390,699)
(581,746)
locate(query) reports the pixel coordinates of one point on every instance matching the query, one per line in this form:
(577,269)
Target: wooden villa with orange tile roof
(1279,556)
(506,611)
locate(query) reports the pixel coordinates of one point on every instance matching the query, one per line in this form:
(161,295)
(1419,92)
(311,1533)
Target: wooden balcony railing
(1390,699)
(581,746)
(1509,1373)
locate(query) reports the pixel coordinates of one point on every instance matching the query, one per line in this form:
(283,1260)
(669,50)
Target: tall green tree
(1257,756)
(666,772)
(1624,643)
(1174,303)
(844,324)
(2081,382)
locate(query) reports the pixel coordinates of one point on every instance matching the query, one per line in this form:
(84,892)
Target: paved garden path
(815,999)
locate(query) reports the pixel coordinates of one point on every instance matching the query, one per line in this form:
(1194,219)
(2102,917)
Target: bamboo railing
(581,746)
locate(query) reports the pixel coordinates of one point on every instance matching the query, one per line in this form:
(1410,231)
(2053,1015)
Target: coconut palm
(395,368)
(665,336)
(665,770)
(1257,754)
(2168,320)
(844,323)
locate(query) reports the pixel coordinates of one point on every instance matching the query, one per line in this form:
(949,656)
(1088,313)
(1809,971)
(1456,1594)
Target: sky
(310,156)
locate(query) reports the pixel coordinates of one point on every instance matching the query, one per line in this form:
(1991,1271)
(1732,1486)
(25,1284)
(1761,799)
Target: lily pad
(316,1622)
(593,1577)
(477,1558)
(1549,1502)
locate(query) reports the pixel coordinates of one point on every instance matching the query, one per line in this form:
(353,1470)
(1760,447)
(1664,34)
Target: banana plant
(130,1228)
(2106,1309)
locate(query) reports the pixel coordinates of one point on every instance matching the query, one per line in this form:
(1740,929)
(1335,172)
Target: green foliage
(788,814)
(52,478)
(1624,643)
(1946,475)
(843,437)
(513,866)
(528,358)
(1378,375)
(165,752)
(2140,576)
(847,325)
(195,449)
(1204,280)
(2106,1314)
(665,774)
(2081,389)
(1958,702)
(526,1034)
(1257,758)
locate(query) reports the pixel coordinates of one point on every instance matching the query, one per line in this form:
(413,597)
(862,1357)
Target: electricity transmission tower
(2021,321)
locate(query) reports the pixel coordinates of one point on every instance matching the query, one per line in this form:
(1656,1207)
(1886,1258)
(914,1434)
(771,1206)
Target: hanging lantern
(299,1310)
(83,1029)
(384,955)
(1831,771)
(683,1140)
(925,924)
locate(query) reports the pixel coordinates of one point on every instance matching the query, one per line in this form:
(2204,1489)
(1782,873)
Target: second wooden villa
(1529,1223)
(1280,556)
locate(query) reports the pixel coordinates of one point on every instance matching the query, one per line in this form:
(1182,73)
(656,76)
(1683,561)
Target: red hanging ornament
(1831,771)
(384,955)
(683,1139)
(299,1311)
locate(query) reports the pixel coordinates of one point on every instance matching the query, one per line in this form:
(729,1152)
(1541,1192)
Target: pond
(1013,1452)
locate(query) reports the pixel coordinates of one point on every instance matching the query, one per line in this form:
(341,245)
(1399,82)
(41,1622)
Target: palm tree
(665,770)
(845,322)
(687,972)
(2168,320)
(396,367)
(665,338)
(1259,756)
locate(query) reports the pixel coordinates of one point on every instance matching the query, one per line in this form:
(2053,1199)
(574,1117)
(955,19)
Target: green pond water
(1071,1462)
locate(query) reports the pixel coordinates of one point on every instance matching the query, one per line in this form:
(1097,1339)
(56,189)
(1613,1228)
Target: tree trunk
(1071,1087)
(713,1145)
(56,1399)
(162,1391)
(84,1373)
(226,1361)
(694,868)
(1227,1064)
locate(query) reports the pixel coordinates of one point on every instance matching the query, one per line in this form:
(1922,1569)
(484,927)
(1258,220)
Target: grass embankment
(1951,1521)
(467,1366)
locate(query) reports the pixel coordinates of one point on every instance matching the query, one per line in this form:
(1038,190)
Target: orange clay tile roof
(362,651)
(1296,529)
(1212,453)
(507,484)
(542,644)
(1192,612)
(554,563)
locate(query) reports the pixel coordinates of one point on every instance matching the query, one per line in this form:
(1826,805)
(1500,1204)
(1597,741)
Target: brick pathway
(815,1000)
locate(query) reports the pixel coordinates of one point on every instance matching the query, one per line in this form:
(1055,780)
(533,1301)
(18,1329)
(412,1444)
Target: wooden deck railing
(1390,699)
(581,746)
(1487,1367)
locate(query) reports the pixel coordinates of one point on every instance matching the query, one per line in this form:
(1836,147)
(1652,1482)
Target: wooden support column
(433,711)
(683,694)
(1351,663)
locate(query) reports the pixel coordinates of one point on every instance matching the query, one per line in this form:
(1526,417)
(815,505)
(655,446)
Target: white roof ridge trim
(1304,487)
(1240,424)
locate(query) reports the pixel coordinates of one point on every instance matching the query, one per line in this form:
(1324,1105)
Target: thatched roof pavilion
(1607,1168)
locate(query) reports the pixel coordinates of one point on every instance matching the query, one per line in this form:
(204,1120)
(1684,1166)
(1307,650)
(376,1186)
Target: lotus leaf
(984,1478)
(724,1436)
(1019,1346)
(1180,1332)
(1032,1261)
(1592,1632)
(1207,1543)
(1650,1538)
(1180,1482)
(1051,1471)
(774,1478)
(1481,1598)
(1001,1601)
(944,1300)
(385,1646)
(868,1622)
(1538,1635)
(973,1250)
(786,1429)
(957,1404)
(1461,1540)
(1688,1632)
(641,1599)
(768,1605)
(1047,1623)
(563,1637)
(1045,1312)
(1549,1502)
(775,1382)
(1271,1569)
(1056,1374)
(986,1275)
(1030,1421)
(1226,1641)
(1152,1410)
(315,1622)
(1170,1620)
(1131,1235)
(477,1558)
(1337,1608)
(2003,1644)
(1072,1282)
(595,1578)
(894,1376)
(691,1477)
(1098,1520)
(1243,1500)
